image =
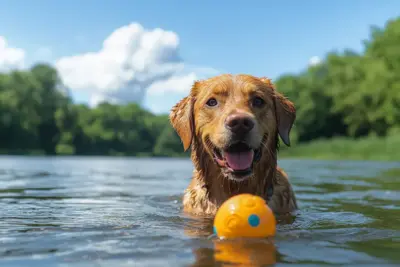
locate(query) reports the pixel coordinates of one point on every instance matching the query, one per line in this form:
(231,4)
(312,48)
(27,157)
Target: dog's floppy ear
(182,119)
(285,112)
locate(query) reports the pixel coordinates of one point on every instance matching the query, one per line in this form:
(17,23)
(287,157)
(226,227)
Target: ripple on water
(124,211)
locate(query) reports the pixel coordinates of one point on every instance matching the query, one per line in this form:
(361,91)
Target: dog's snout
(239,123)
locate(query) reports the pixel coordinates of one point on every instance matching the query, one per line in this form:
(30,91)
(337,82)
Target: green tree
(168,143)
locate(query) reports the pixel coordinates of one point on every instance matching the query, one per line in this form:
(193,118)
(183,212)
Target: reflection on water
(127,212)
(236,253)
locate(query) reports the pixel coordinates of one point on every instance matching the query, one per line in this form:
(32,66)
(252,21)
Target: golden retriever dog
(232,123)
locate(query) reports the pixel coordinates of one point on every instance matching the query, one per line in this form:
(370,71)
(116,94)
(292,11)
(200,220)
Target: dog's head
(235,119)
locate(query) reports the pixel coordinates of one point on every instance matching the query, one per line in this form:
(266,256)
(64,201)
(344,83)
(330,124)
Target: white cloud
(132,63)
(10,57)
(314,61)
(179,84)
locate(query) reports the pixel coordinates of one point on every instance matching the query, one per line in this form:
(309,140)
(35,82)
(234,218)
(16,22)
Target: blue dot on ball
(254,220)
(215,230)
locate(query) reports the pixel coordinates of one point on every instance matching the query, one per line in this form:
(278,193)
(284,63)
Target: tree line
(37,115)
(348,94)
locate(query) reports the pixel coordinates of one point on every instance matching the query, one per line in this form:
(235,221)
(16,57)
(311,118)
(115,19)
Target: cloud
(10,57)
(133,62)
(314,61)
(179,84)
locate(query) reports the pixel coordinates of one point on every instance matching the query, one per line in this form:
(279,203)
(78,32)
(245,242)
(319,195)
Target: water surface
(72,211)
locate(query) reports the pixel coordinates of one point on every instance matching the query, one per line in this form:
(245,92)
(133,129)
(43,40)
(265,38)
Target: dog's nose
(239,123)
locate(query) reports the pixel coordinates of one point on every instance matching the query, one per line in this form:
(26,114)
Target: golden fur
(203,128)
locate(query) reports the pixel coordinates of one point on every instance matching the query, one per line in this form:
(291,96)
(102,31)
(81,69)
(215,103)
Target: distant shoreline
(340,148)
(368,148)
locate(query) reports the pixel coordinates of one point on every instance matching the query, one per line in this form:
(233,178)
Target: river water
(98,211)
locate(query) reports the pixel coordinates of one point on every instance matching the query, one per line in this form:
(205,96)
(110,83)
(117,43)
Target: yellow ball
(244,215)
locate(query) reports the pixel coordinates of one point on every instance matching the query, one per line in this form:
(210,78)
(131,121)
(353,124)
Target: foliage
(345,148)
(347,96)
(37,114)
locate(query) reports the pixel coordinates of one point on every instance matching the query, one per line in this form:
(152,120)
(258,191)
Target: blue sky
(263,38)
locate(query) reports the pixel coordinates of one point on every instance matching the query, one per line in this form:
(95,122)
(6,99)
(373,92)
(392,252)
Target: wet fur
(208,188)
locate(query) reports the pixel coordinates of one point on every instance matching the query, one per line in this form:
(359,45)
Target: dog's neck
(219,188)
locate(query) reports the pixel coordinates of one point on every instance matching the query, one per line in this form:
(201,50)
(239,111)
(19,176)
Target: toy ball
(244,215)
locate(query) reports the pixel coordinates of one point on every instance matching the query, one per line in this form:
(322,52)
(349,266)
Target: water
(127,212)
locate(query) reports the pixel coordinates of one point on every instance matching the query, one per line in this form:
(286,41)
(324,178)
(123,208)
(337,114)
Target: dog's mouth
(237,159)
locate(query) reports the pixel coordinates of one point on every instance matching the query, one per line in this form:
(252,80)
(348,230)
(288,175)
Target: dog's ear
(286,115)
(182,119)
(285,112)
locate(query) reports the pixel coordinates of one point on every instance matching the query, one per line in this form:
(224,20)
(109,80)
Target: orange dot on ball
(244,215)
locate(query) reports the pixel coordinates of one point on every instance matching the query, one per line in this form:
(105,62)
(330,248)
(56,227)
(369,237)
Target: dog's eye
(212,102)
(258,102)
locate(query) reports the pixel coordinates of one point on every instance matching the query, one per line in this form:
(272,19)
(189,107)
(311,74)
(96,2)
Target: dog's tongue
(239,160)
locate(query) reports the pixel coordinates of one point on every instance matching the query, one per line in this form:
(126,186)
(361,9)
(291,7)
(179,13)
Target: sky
(151,51)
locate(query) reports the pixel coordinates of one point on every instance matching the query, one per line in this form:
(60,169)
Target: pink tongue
(239,160)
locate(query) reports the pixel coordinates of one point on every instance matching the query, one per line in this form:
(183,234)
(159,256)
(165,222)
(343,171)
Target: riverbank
(368,148)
